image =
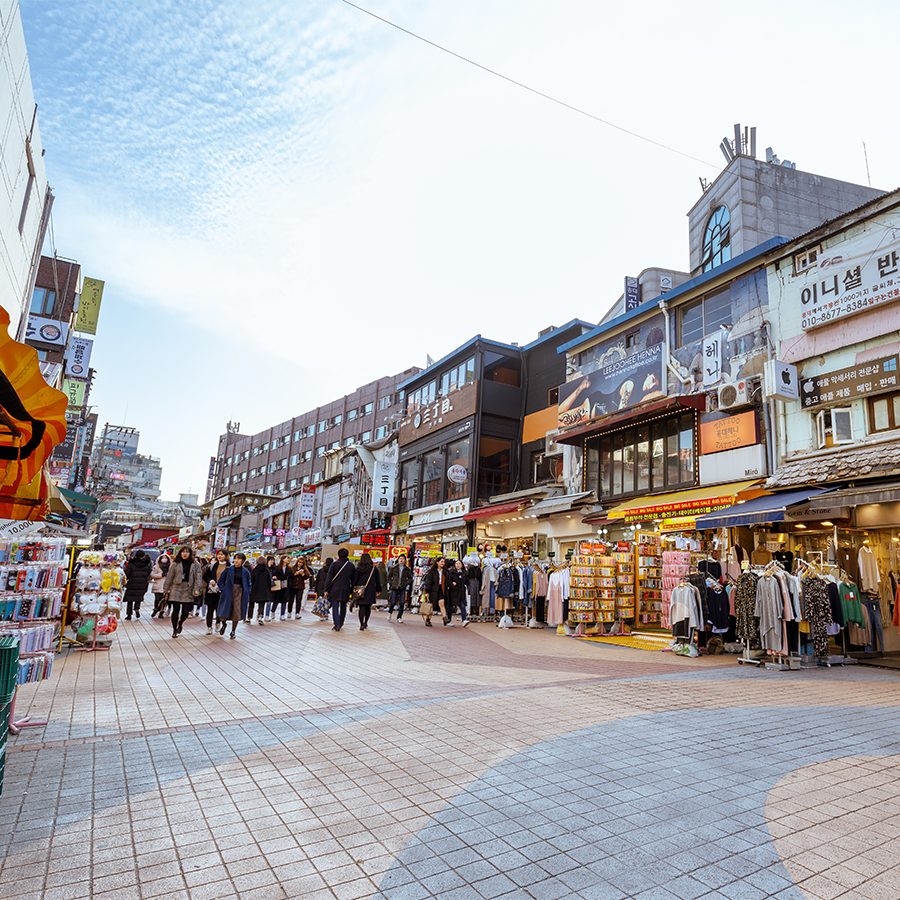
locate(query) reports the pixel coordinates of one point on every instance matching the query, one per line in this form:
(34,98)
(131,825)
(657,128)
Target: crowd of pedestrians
(231,590)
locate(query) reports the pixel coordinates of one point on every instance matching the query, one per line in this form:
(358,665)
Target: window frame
(824,431)
(43,310)
(716,248)
(892,399)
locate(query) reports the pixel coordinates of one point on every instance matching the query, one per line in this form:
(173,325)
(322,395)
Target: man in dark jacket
(137,580)
(339,586)
(400,582)
(261,589)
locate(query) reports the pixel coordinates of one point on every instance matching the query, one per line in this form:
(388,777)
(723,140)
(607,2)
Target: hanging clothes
(711,568)
(746,627)
(769,609)
(717,607)
(869,575)
(851,607)
(818,613)
(685,604)
(557,594)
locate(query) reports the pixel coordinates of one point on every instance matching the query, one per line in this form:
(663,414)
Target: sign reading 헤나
(843,385)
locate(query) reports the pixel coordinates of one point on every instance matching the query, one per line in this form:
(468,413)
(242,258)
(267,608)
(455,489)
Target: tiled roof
(840,464)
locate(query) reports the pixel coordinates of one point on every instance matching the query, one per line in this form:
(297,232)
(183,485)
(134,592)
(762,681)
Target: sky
(287,200)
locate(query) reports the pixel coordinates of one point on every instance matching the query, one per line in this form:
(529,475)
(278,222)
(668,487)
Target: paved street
(409,762)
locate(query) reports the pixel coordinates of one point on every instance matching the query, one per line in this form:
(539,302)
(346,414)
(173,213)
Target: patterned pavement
(407,762)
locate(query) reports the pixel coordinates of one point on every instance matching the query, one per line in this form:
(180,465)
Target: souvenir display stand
(99,585)
(648,554)
(592,594)
(33,576)
(625,585)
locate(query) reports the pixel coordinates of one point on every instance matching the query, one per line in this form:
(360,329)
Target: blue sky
(290,199)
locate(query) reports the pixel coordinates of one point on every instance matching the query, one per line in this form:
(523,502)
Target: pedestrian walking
(400,581)
(158,583)
(235,586)
(261,590)
(183,585)
(280,574)
(137,580)
(457,582)
(338,587)
(434,589)
(366,586)
(298,577)
(211,575)
(201,600)
(320,607)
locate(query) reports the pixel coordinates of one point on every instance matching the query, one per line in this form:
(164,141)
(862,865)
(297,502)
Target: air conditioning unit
(551,448)
(734,394)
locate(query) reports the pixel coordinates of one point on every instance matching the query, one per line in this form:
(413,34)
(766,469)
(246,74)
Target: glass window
(717,239)
(834,426)
(320,451)
(365,437)
(503,369)
(368,409)
(432,477)
(348,441)
(704,316)
(380,432)
(323,425)
(459,453)
(352,414)
(317,477)
(691,317)
(409,485)
(384,402)
(445,384)
(310,430)
(43,301)
(494,467)
(337,419)
(642,452)
(884,412)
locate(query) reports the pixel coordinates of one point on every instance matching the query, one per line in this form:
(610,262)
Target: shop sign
(679,523)
(817,511)
(74,391)
(457,405)
(683,508)
(591,548)
(712,358)
(632,293)
(222,501)
(279,541)
(625,375)
(384,484)
(268,532)
(846,279)
(728,433)
(397,551)
(843,385)
(276,509)
(400,522)
(429,549)
(89,305)
(46,331)
(454,509)
(375,540)
(78,357)
(458,474)
(307,506)
(734,465)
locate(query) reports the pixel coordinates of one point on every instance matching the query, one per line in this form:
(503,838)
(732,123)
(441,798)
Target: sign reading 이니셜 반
(847,278)
(842,385)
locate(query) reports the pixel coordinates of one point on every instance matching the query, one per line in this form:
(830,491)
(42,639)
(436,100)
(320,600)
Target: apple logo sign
(786,377)
(807,387)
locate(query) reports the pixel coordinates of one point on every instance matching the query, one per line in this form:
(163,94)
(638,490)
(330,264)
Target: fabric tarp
(770,508)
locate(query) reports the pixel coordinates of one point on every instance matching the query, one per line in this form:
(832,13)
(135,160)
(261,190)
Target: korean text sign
(843,385)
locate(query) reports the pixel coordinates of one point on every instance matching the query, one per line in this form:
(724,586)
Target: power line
(521,84)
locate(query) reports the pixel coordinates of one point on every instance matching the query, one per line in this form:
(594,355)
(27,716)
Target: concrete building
(286,456)
(118,471)
(25,196)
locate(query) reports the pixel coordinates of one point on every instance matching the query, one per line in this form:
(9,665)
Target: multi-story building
(288,455)
(25,196)
(118,471)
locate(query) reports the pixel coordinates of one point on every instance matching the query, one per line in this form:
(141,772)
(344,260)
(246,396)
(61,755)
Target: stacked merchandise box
(649,565)
(592,592)
(625,593)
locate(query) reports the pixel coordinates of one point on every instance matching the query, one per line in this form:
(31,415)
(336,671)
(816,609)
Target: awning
(486,512)
(635,414)
(440,525)
(77,500)
(858,496)
(695,502)
(558,504)
(770,508)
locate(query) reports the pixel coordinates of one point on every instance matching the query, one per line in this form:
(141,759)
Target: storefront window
(884,412)
(494,467)
(409,485)
(459,453)
(432,477)
(655,457)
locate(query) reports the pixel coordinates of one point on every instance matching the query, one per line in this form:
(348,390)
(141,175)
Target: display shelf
(625,584)
(592,591)
(648,558)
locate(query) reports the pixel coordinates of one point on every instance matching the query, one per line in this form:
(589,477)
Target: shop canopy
(770,508)
(437,527)
(559,504)
(498,509)
(695,502)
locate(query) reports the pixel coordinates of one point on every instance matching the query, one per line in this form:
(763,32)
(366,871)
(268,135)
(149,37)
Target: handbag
(360,590)
(277,584)
(426,607)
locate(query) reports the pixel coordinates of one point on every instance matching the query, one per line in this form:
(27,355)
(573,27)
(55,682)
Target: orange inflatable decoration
(32,423)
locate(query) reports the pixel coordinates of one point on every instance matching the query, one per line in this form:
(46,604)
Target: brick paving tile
(415,763)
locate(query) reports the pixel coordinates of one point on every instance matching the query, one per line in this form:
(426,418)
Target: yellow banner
(74,390)
(89,307)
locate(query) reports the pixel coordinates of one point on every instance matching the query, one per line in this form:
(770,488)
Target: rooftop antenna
(866,155)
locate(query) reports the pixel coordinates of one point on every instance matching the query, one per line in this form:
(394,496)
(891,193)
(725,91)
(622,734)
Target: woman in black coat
(368,578)
(137,575)
(457,582)
(260,589)
(434,586)
(339,586)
